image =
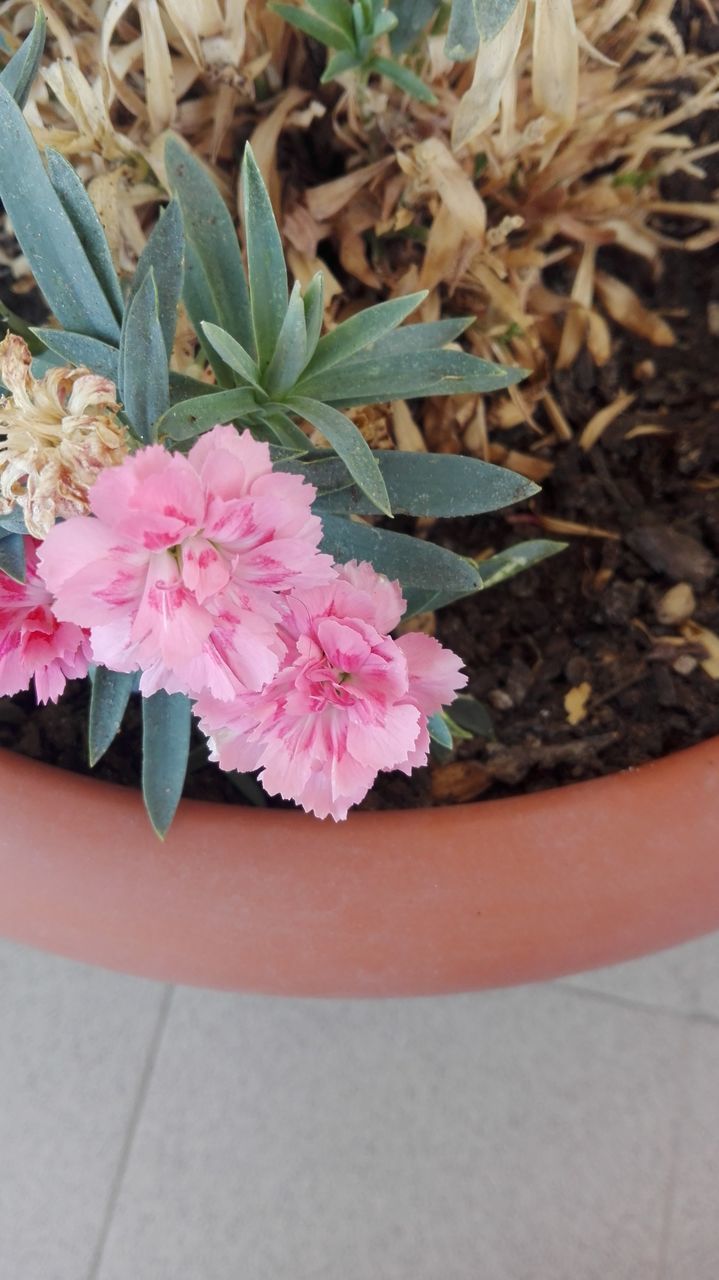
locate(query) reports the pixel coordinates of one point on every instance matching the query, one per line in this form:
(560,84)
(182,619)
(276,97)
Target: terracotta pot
(410,903)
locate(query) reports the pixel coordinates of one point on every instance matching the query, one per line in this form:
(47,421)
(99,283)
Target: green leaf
(419,484)
(384,22)
(46,234)
(473,21)
(439,731)
(337,12)
(523,555)
(338,63)
(14,521)
(234,355)
(429,336)
(404,78)
(360,331)
(497,569)
(412,18)
(314,304)
(80,210)
(431,373)
(15,324)
(18,75)
(166,722)
(315,27)
(164,253)
(190,418)
(412,562)
(215,288)
(472,715)
(290,355)
(265,261)
(109,698)
(183,387)
(283,429)
(75,348)
(143,374)
(12,556)
(349,444)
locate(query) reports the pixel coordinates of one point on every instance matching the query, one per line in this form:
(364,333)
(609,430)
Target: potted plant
(215,545)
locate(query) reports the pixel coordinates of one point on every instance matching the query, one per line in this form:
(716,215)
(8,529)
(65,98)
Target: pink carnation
(181,567)
(33,644)
(349,702)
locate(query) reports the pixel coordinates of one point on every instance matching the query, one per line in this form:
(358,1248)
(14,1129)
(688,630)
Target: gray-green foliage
(352,28)
(274,371)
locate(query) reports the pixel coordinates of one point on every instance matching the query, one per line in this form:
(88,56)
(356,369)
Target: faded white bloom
(56,434)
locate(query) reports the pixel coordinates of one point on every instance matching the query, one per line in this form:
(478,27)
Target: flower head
(33,644)
(181,568)
(56,434)
(349,701)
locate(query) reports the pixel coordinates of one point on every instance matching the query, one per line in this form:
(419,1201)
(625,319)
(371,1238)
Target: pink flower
(181,568)
(33,644)
(349,702)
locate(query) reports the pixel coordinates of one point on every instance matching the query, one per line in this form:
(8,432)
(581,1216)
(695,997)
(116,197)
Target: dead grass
(368,188)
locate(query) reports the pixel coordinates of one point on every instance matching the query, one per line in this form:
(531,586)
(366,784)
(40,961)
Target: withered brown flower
(56,434)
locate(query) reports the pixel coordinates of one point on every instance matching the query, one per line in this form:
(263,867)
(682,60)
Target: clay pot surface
(404,903)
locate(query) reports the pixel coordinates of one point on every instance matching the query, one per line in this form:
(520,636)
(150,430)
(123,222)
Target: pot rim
(404,902)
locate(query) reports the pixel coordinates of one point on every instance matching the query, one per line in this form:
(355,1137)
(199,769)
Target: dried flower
(57,433)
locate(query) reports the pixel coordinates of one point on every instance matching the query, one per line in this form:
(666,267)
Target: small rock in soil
(678,555)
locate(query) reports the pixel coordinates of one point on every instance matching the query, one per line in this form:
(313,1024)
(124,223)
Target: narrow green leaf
(164,253)
(265,261)
(384,22)
(15,324)
(432,373)
(14,521)
(338,63)
(215,287)
(492,572)
(286,432)
(523,555)
(81,211)
(350,446)
(472,715)
(412,562)
(190,418)
(314,303)
(12,556)
(337,12)
(166,722)
(290,355)
(404,79)
(234,355)
(315,27)
(18,75)
(429,336)
(46,234)
(439,731)
(360,331)
(418,484)
(143,374)
(109,698)
(183,387)
(412,18)
(75,348)
(475,20)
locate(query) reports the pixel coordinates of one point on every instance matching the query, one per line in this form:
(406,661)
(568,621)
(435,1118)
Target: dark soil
(590,616)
